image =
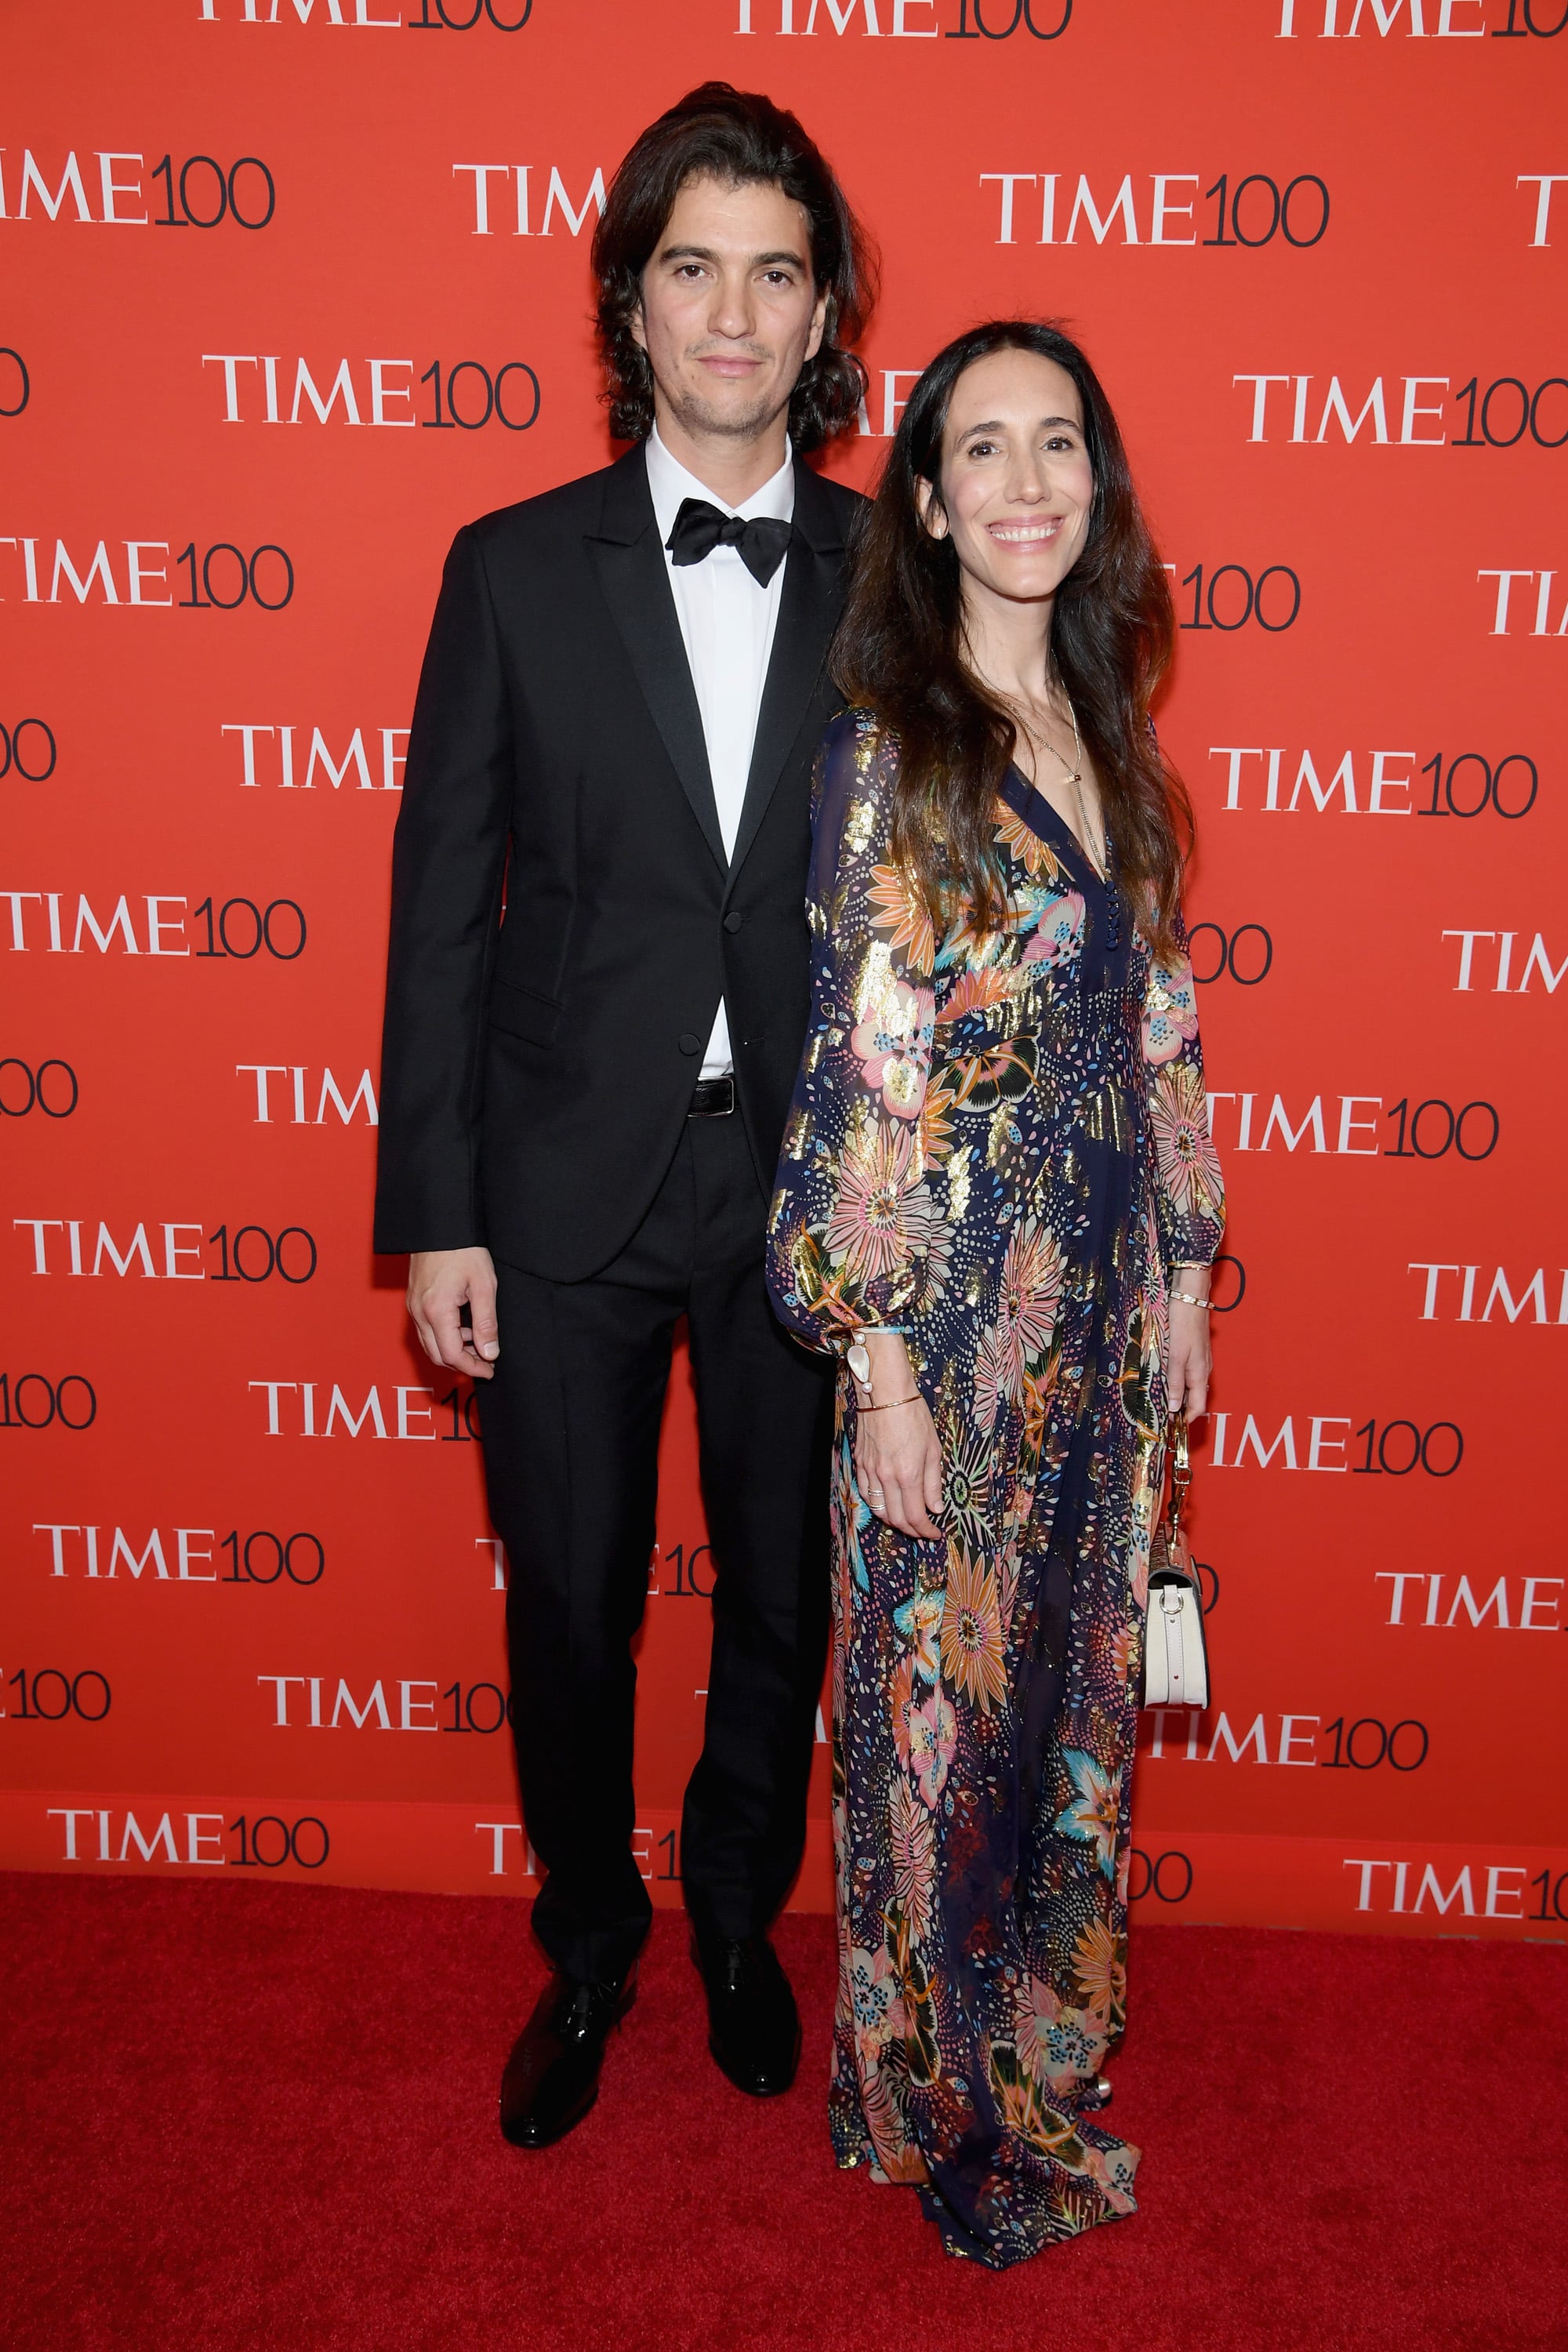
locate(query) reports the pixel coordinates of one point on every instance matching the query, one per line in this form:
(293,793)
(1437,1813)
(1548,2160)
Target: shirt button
(689,1042)
(732,921)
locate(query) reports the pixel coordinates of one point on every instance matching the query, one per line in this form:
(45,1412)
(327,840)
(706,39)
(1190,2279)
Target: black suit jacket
(564,917)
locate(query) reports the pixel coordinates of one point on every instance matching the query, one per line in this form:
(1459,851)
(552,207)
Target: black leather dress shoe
(552,2078)
(753,2026)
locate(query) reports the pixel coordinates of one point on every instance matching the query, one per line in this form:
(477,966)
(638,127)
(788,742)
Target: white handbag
(1176,1655)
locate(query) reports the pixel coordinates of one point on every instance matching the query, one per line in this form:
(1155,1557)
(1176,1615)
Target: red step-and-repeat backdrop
(293,288)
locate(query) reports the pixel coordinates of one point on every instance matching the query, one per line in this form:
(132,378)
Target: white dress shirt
(727,624)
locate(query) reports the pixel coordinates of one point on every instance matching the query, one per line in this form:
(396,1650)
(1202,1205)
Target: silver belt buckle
(713,1099)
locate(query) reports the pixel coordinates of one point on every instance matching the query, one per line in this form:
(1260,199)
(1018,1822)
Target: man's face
(729,314)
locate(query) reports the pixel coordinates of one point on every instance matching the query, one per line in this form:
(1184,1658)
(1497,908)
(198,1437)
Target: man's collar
(669,482)
(626,511)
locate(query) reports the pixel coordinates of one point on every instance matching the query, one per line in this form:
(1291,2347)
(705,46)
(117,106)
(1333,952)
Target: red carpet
(265,2117)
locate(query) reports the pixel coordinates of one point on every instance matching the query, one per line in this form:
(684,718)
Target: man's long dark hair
(739,138)
(900,652)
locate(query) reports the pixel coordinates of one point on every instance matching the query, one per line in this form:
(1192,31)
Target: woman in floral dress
(998,1201)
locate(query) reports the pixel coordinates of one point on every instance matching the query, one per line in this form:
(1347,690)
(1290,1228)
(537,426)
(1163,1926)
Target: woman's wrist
(879,1365)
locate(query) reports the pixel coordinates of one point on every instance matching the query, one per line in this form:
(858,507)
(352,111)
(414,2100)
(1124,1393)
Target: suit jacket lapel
(630,564)
(808,608)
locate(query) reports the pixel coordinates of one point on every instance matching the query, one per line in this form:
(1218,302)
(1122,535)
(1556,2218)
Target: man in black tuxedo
(597,997)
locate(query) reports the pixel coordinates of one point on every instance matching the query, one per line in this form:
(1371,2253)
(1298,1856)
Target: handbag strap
(1181,1474)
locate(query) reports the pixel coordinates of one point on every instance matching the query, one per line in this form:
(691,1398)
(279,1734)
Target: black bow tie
(700,527)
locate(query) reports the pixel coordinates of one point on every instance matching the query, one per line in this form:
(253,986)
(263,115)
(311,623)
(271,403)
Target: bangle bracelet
(891,1406)
(1188,1299)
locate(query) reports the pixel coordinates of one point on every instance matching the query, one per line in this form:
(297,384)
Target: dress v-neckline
(1027,801)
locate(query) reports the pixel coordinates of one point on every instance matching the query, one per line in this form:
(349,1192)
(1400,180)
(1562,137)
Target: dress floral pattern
(998,1145)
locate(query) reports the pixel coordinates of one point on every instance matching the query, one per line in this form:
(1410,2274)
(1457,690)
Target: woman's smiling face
(1017,485)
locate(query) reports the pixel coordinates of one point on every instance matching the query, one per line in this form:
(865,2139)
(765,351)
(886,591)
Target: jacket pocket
(521,1012)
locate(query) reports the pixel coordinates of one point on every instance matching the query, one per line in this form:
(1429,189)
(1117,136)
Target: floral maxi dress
(998,1144)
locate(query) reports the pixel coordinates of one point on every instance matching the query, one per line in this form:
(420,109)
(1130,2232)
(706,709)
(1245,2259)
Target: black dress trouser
(571,1425)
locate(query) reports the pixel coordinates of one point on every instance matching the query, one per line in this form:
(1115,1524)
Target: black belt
(714,1098)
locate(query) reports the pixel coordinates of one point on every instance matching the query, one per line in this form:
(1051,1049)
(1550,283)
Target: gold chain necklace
(1075,777)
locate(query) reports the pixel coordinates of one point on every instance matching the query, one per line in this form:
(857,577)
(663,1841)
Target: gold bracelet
(1188,1299)
(890,1406)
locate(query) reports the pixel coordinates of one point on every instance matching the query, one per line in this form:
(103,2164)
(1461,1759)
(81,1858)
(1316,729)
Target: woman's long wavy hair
(901,652)
(739,138)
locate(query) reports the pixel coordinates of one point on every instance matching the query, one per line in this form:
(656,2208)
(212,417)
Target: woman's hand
(898,1455)
(1189,1360)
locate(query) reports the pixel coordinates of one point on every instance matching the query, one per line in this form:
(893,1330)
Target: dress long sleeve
(851,1213)
(1189,1193)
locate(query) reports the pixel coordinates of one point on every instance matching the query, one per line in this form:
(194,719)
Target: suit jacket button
(731,920)
(689,1042)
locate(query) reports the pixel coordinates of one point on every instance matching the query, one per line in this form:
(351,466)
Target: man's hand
(441,1283)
